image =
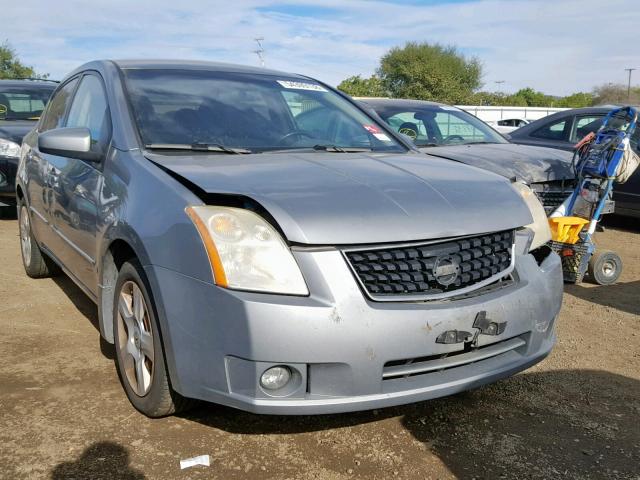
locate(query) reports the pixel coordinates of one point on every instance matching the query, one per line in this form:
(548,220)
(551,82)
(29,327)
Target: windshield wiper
(336,149)
(197,147)
(427,145)
(478,143)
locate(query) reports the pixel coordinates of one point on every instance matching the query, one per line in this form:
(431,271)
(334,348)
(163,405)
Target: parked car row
(258,239)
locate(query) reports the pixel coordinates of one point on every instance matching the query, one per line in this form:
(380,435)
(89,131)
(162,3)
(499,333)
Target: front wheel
(139,354)
(605,267)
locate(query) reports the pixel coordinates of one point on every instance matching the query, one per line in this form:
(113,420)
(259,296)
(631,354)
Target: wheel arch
(119,244)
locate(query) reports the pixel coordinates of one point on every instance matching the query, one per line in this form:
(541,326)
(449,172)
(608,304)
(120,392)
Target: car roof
(397,102)
(48,84)
(199,65)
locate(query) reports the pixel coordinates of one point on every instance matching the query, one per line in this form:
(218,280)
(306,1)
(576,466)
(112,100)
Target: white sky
(558,46)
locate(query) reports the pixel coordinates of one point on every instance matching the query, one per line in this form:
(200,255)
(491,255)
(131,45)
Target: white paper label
(301,85)
(382,136)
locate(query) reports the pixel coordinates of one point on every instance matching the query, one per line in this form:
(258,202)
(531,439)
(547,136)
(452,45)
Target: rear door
(76,183)
(37,166)
(627,195)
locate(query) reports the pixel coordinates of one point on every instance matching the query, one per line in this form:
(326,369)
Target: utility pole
(629,83)
(498,83)
(260,50)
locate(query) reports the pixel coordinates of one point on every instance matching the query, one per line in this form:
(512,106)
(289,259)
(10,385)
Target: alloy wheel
(25,236)
(135,338)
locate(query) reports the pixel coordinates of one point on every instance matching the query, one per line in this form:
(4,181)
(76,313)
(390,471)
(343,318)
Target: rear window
(23,103)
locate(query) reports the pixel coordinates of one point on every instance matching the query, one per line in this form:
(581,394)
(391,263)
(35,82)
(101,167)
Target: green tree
(12,67)
(357,86)
(576,100)
(533,98)
(430,72)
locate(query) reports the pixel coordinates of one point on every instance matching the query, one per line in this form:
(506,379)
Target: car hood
(15,130)
(345,198)
(526,163)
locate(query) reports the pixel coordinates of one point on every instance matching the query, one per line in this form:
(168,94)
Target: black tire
(605,267)
(157,399)
(35,261)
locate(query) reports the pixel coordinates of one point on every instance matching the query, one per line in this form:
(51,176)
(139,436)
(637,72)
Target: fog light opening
(275,378)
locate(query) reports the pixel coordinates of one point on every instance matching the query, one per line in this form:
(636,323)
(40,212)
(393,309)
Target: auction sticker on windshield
(376,132)
(301,85)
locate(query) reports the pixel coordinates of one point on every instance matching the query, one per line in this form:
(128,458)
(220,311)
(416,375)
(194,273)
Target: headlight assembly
(9,149)
(540,225)
(246,252)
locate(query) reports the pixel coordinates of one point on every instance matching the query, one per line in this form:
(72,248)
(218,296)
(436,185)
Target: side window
(89,109)
(454,126)
(54,116)
(585,125)
(552,131)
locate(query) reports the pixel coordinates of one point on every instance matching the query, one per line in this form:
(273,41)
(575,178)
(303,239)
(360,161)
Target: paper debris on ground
(191,462)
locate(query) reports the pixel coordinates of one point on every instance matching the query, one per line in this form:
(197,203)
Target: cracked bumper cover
(218,341)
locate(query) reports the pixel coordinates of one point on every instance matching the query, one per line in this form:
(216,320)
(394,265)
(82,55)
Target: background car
(508,125)
(21,103)
(563,130)
(449,132)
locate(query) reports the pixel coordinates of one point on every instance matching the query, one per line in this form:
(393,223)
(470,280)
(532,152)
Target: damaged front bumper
(346,352)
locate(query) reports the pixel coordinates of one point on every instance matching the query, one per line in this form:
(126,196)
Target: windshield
(23,103)
(247,111)
(437,125)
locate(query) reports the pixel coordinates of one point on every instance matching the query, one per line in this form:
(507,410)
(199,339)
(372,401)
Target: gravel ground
(575,415)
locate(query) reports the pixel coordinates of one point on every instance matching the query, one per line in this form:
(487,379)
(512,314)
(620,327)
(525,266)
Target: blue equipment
(599,161)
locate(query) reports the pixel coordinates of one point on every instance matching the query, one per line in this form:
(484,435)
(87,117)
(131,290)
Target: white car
(508,125)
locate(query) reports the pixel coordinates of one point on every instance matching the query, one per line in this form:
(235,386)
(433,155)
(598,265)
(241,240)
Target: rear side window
(585,125)
(89,109)
(552,131)
(54,116)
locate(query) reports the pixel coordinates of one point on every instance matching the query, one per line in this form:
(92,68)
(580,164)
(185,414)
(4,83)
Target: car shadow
(630,224)
(569,423)
(621,296)
(86,307)
(99,460)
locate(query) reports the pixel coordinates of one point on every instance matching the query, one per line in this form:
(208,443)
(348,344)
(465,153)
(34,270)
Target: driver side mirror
(68,142)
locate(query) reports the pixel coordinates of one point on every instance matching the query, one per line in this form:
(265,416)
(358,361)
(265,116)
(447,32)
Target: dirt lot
(576,415)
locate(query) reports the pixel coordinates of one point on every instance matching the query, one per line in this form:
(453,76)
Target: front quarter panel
(145,207)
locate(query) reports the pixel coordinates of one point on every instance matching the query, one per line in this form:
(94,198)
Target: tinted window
(89,109)
(435,125)
(585,125)
(54,116)
(552,131)
(258,112)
